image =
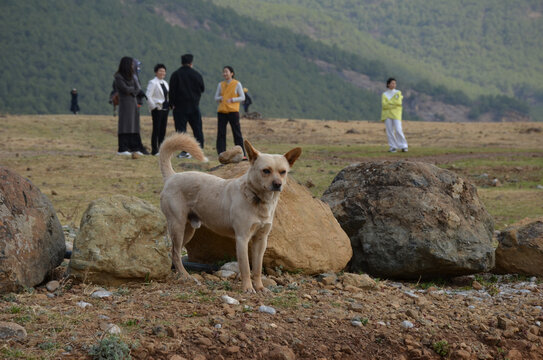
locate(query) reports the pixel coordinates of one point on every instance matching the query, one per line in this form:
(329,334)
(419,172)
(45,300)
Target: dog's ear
(252,153)
(293,154)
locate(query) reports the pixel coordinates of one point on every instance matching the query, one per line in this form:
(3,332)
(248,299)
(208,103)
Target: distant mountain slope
(481,47)
(50,47)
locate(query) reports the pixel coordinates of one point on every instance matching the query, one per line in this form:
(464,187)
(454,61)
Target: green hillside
(481,47)
(50,47)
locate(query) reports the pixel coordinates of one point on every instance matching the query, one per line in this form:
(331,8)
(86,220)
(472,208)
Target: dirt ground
(313,320)
(72,160)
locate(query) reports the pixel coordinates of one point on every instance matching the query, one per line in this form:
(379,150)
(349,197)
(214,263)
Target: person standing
(186,88)
(247,102)
(229,95)
(157,99)
(391,114)
(74,106)
(128,88)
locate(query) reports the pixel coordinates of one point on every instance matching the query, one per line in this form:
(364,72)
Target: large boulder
(31,237)
(121,239)
(520,248)
(305,235)
(409,219)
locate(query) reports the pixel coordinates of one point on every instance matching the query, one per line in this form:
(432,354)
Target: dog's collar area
(252,196)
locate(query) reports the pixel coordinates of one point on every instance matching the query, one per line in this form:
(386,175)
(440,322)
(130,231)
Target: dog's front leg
(260,242)
(242,253)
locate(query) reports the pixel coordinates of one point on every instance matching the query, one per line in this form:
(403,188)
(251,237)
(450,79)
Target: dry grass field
(73,160)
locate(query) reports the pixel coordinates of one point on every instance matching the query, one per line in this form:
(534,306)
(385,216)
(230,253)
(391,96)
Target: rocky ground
(334,316)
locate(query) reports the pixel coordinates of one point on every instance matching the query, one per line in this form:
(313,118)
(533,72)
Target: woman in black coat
(128,89)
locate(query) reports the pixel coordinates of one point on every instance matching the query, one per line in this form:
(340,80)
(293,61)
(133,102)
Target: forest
(48,48)
(479,47)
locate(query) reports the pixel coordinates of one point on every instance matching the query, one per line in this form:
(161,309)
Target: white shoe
(392,150)
(127,153)
(157,154)
(139,153)
(404,150)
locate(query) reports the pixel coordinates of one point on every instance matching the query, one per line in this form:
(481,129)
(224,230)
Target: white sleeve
(149,93)
(218,96)
(239,91)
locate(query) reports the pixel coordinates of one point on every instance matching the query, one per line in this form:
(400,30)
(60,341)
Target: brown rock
(281,353)
(476,285)
(231,156)
(31,237)
(461,354)
(362,281)
(520,248)
(305,235)
(121,239)
(514,354)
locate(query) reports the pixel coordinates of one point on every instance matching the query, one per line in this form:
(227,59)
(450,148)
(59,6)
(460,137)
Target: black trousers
(194,118)
(223,120)
(130,142)
(160,122)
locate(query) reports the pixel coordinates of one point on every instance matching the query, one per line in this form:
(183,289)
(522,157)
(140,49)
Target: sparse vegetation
(441,348)
(110,348)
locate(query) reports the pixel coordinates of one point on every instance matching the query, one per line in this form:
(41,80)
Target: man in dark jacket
(186,87)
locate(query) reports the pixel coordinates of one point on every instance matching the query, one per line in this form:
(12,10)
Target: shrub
(110,348)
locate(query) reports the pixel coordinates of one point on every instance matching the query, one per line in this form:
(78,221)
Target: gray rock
(410,220)
(231,301)
(9,330)
(101,294)
(267,309)
(52,285)
(31,237)
(121,239)
(407,324)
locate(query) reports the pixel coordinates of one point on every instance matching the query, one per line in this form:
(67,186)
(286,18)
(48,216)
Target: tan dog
(240,208)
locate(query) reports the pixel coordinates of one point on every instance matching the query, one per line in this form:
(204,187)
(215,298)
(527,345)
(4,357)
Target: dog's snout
(276,185)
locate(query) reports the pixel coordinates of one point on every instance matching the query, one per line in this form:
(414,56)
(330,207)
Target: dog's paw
(263,290)
(249,290)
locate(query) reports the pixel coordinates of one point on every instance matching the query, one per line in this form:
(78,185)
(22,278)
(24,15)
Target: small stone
(50,295)
(229,300)
(218,326)
(101,294)
(231,266)
(52,286)
(356,323)
(113,329)
(204,341)
(267,309)
(9,330)
(476,285)
(281,353)
(232,349)
(327,279)
(407,324)
(83,304)
(226,274)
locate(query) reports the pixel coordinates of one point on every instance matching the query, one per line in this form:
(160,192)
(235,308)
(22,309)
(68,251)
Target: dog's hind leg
(177,231)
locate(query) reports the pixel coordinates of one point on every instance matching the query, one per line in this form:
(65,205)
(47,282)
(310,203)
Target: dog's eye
(282,172)
(266,171)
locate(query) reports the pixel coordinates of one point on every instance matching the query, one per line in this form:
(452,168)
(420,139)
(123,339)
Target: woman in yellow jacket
(391,114)
(229,95)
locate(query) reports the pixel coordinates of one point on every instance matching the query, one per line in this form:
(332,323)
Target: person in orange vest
(229,95)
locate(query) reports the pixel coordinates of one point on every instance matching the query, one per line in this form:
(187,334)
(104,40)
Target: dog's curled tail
(174,143)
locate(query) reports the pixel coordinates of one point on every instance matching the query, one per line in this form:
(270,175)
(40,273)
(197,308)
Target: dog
(240,208)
